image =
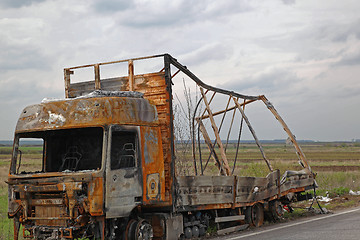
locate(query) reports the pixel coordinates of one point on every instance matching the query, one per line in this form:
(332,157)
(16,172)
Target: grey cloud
(110,6)
(144,15)
(289,2)
(349,60)
(271,81)
(304,44)
(214,52)
(18,3)
(22,57)
(338,32)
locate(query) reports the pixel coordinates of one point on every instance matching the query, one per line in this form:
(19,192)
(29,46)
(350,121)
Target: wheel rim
(144,230)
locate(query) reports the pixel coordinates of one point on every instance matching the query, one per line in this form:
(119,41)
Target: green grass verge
(6,225)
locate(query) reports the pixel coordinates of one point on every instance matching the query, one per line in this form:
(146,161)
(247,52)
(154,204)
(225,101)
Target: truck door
(123,185)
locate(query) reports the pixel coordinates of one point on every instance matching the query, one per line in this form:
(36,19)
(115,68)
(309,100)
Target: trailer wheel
(276,209)
(247,213)
(188,233)
(257,214)
(195,231)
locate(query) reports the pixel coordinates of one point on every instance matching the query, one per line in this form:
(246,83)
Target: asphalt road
(341,225)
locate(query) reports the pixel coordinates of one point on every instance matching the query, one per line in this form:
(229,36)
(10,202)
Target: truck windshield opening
(66,150)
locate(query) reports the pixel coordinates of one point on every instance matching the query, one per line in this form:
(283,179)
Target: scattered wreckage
(109,162)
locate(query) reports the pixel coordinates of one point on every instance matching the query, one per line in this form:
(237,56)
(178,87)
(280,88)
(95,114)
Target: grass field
(337,166)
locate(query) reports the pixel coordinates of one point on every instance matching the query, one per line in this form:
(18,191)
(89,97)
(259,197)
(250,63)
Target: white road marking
(293,224)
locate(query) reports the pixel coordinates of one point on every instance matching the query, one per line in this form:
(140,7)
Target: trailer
(110,167)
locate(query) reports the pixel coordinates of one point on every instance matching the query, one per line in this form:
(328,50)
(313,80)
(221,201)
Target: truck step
(233,229)
(229,218)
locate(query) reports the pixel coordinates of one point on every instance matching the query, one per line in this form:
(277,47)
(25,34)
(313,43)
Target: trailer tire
(188,233)
(276,209)
(202,231)
(195,231)
(257,214)
(247,213)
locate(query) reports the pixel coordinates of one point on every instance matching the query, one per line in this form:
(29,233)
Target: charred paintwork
(153,166)
(84,112)
(207,192)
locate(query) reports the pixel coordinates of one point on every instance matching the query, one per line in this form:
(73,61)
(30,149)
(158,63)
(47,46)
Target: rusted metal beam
(131,75)
(228,135)
(217,135)
(67,73)
(287,130)
(221,124)
(253,133)
(168,82)
(202,84)
(208,142)
(238,142)
(175,74)
(229,109)
(120,61)
(97,76)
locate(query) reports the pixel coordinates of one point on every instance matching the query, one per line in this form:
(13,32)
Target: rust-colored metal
(228,109)
(253,133)
(216,132)
(131,75)
(153,166)
(287,130)
(85,112)
(97,76)
(210,146)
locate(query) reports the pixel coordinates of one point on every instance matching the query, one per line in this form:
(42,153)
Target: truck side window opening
(123,149)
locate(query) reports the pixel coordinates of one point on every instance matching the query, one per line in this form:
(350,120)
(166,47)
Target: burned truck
(111,159)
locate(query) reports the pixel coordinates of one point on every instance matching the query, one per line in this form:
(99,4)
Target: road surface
(341,225)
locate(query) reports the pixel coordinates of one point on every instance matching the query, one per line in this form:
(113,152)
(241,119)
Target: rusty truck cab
(101,159)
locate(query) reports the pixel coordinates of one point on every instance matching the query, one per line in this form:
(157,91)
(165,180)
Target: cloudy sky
(303,55)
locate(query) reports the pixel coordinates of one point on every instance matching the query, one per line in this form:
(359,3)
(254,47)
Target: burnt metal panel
(199,190)
(85,112)
(152,165)
(252,189)
(123,184)
(96,196)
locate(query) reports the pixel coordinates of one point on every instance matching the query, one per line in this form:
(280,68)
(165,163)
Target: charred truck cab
(95,164)
(107,169)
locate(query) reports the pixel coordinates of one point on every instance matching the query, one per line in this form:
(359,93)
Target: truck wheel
(144,230)
(131,229)
(257,214)
(138,230)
